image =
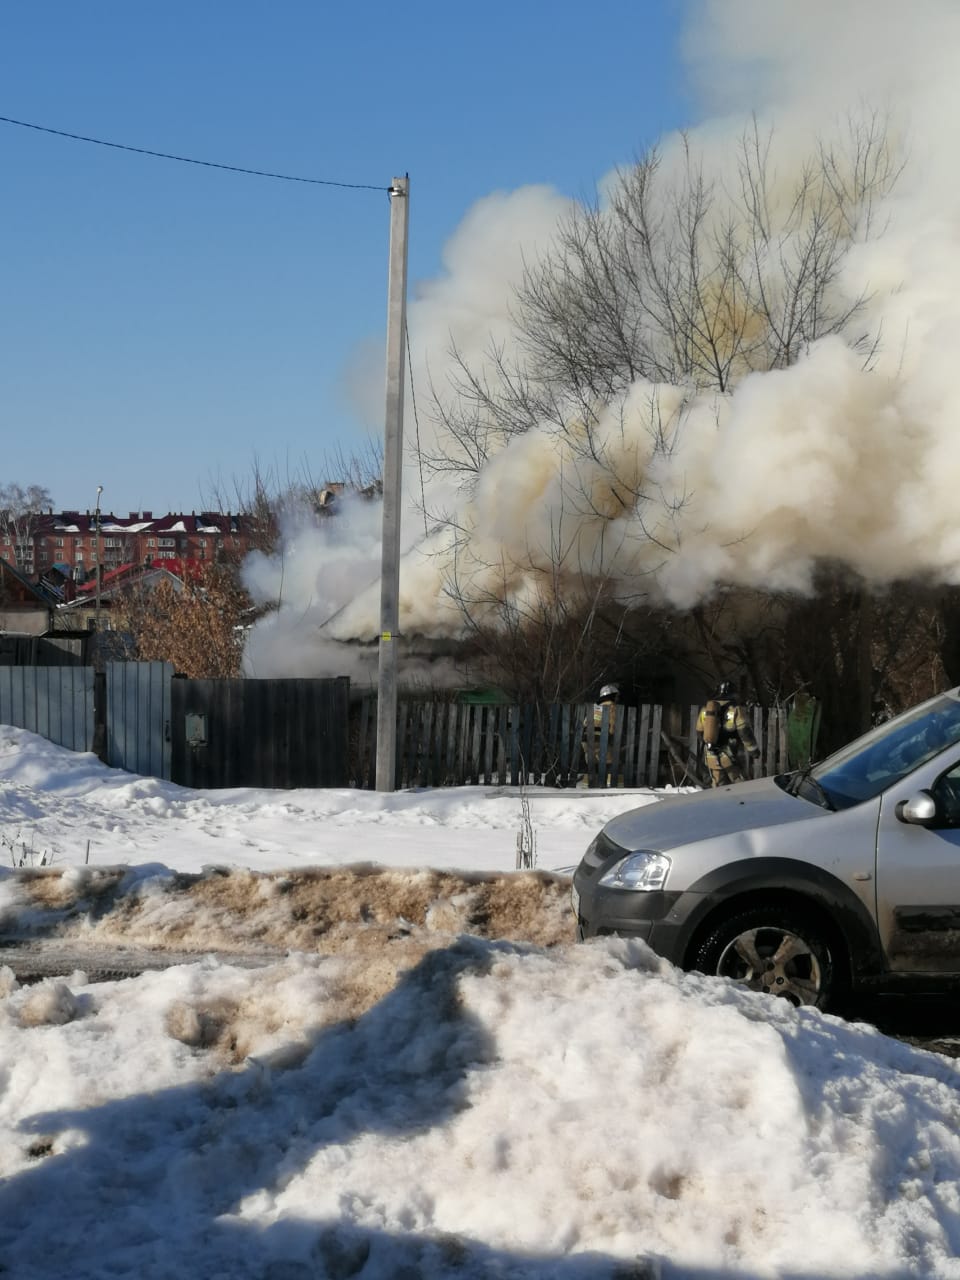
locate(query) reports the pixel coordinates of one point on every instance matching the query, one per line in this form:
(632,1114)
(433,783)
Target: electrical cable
(416,421)
(208,164)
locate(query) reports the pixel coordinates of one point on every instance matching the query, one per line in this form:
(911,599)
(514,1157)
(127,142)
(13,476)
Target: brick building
(71,542)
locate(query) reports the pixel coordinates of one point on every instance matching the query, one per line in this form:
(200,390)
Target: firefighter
(606,698)
(724,729)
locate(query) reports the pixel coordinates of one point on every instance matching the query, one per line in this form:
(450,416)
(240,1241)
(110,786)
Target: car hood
(680,820)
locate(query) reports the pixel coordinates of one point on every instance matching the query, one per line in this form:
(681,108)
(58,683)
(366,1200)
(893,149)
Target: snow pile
(503,1110)
(398,1097)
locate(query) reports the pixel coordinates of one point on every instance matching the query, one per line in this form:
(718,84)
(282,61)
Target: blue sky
(164,327)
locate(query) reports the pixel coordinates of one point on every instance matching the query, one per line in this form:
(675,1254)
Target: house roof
(28,591)
(115,582)
(205,522)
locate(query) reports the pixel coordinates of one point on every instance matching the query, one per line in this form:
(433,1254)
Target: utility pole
(392,485)
(96,552)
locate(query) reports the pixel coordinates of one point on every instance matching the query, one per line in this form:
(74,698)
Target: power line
(208,164)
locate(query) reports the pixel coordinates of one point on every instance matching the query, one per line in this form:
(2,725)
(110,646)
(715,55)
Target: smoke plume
(850,453)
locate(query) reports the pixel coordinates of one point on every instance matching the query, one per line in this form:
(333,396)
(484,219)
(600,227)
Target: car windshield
(886,754)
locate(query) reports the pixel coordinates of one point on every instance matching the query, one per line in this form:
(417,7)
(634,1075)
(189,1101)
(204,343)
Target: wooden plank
(630,748)
(474,744)
(554,771)
(514,747)
(602,748)
(426,744)
(783,763)
(404,735)
(358,771)
(450,766)
(617,771)
(653,775)
(567,771)
(540,749)
(693,742)
(584,714)
(643,745)
(502,730)
(439,737)
(776,728)
(531,749)
(489,742)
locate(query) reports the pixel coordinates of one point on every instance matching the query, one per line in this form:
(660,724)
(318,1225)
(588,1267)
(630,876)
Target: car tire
(774,950)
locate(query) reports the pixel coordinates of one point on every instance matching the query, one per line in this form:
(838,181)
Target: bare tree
(20,512)
(691,280)
(681,278)
(685,277)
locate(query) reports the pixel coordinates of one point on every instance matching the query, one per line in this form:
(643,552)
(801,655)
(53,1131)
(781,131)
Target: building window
(78,542)
(166,542)
(151,542)
(59,542)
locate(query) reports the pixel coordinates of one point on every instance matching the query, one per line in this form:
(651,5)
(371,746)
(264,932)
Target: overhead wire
(208,164)
(416,423)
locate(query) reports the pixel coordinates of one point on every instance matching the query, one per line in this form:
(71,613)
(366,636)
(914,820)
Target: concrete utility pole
(392,476)
(96,551)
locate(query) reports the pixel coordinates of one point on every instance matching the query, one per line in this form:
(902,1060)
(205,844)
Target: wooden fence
(452,744)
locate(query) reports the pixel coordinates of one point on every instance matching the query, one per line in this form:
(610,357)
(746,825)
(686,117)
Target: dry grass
(380,922)
(320,910)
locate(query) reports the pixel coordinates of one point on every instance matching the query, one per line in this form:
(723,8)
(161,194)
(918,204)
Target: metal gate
(56,702)
(138,717)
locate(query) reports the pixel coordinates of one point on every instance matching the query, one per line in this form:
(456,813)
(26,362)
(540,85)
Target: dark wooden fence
(259,733)
(68,650)
(452,744)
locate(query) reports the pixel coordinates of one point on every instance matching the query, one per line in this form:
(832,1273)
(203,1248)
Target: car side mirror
(920,810)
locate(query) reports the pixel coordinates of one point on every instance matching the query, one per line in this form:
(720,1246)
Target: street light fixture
(96,552)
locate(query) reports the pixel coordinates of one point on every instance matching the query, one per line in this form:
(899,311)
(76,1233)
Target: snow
(389,1059)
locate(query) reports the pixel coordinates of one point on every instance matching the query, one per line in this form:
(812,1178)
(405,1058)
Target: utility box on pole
(392,488)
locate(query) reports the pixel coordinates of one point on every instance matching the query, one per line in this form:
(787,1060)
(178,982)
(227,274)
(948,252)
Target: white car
(842,877)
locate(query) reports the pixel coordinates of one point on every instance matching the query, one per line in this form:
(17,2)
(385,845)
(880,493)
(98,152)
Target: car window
(946,792)
(890,752)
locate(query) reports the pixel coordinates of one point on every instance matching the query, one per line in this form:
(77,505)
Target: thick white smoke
(838,457)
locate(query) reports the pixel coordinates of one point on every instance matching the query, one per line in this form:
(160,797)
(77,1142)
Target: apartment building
(75,542)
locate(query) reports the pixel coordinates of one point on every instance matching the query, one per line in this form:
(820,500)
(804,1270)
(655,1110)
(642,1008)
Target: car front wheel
(773,951)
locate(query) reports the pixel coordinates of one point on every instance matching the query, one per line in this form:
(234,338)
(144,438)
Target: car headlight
(643,871)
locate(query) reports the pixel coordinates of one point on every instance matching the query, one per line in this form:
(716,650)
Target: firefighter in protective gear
(606,700)
(724,729)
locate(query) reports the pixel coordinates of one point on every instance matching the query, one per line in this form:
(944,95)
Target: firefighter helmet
(726,689)
(609,692)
